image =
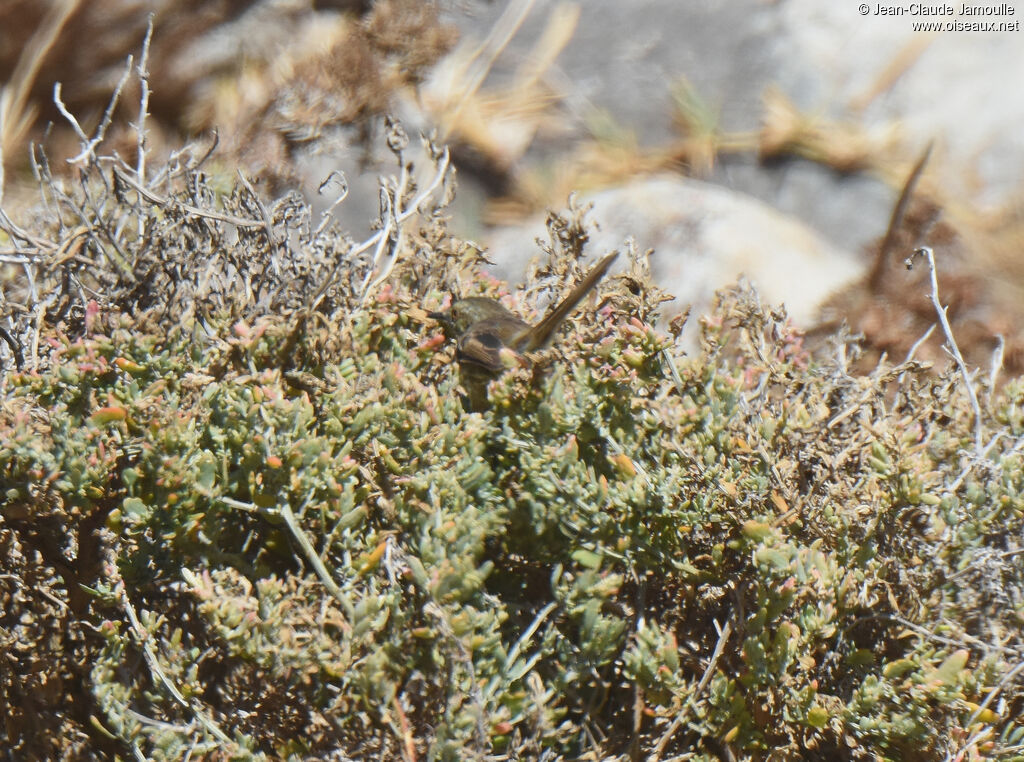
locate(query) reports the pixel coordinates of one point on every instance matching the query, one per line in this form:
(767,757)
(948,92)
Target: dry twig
(927,253)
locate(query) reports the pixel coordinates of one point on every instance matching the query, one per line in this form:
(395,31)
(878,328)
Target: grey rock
(704,238)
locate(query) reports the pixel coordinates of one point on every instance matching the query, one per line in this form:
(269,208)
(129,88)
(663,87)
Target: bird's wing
(481,345)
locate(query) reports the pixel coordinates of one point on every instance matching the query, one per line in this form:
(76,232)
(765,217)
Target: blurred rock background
(769,140)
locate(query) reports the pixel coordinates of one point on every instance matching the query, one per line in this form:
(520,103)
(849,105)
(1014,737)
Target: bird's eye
(454,313)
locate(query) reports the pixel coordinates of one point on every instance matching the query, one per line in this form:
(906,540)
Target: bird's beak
(445,317)
(441,317)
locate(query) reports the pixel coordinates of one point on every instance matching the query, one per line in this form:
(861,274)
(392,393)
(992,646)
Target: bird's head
(469,311)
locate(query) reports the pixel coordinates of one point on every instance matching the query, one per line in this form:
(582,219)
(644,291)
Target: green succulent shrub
(246,514)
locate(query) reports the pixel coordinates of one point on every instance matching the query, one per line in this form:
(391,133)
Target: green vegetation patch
(259,522)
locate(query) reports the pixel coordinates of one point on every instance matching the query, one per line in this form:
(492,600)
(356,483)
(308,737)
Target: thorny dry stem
(88,152)
(336,177)
(394,215)
(140,126)
(160,201)
(913,350)
(926,251)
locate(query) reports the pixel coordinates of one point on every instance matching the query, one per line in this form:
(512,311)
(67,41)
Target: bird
(485,332)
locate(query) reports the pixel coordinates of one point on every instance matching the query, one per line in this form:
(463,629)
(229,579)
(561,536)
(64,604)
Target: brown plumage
(483,329)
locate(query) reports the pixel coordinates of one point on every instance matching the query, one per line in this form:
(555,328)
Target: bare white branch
(997,362)
(336,177)
(140,126)
(88,151)
(440,174)
(917,344)
(927,253)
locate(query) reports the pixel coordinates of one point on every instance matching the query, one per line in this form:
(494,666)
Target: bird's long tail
(540,334)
